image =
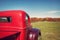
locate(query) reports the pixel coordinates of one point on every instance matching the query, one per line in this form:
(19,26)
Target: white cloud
(53,12)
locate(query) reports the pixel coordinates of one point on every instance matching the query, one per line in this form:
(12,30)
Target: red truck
(15,25)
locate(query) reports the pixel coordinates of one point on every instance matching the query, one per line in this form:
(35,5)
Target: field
(49,30)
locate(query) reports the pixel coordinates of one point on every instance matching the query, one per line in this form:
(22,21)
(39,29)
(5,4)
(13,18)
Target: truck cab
(16,25)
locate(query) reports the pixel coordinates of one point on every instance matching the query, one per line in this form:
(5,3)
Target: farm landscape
(50,30)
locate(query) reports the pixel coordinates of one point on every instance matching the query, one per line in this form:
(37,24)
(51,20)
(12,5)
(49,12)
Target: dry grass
(49,30)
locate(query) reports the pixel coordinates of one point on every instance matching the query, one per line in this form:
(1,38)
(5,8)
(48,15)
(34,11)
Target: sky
(35,8)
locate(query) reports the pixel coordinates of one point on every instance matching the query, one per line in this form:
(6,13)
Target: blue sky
(35,8)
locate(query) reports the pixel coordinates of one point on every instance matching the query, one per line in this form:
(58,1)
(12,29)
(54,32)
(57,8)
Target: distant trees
(35,19)
(57,19)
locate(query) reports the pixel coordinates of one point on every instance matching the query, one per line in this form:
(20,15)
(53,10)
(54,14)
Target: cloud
(43,14)
(49,12)
(52,12)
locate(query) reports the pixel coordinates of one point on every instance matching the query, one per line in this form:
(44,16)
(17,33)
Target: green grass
(49,30)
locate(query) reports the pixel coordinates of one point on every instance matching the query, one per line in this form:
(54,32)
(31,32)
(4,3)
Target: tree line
(35,19)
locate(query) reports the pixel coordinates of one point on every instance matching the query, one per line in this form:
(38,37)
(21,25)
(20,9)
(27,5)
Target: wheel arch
(34,34)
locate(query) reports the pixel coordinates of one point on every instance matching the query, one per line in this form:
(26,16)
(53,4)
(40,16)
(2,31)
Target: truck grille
(11,37)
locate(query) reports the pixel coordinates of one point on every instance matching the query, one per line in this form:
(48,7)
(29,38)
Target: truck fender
(34,34)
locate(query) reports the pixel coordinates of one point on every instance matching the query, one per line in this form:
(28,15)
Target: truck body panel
(14,25)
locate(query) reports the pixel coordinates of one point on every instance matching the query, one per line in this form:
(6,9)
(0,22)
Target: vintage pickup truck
(15,25)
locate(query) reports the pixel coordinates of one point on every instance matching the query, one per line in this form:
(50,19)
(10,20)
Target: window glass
(5,19)
(26,20)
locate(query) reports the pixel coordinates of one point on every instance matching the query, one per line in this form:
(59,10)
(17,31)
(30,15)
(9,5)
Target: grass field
(49,30)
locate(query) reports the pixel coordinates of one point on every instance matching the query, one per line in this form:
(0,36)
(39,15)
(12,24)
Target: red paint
(17,24)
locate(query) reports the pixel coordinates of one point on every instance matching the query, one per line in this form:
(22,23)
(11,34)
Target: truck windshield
(5,19)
